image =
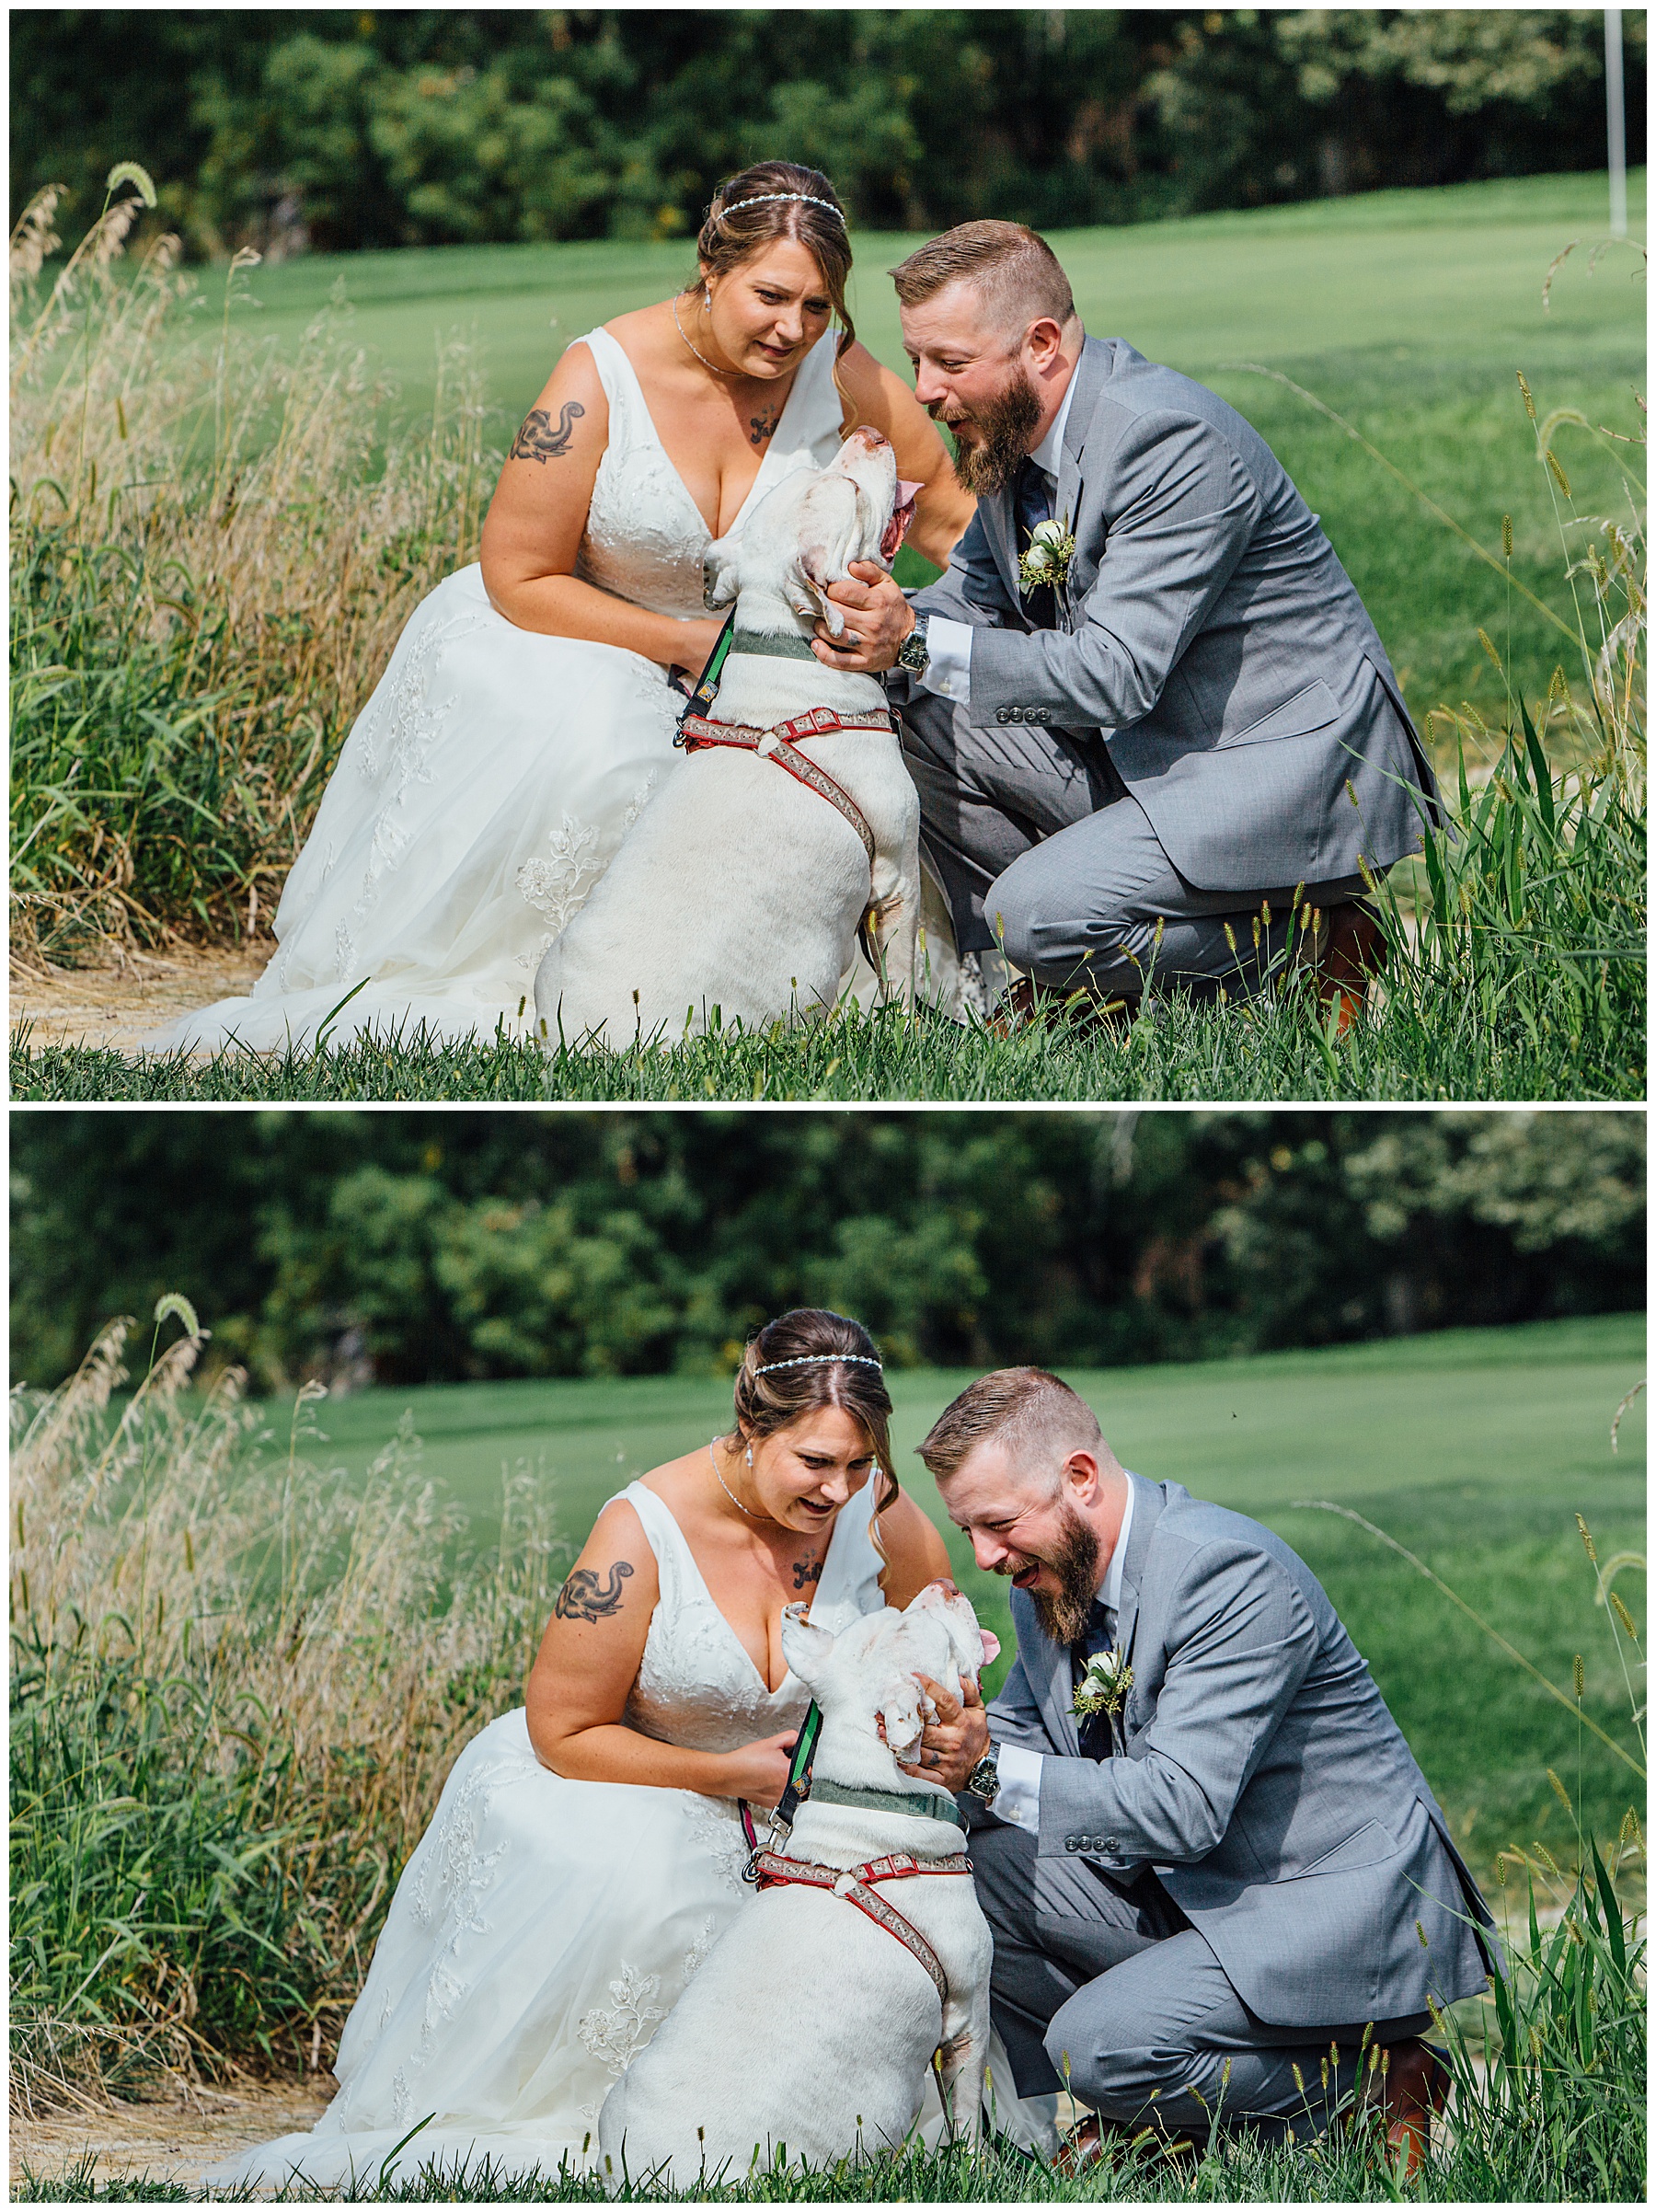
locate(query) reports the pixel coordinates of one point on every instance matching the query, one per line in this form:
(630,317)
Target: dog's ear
(719,573)
(830,533)
(991,1646)
(900,1709)
(806,1648)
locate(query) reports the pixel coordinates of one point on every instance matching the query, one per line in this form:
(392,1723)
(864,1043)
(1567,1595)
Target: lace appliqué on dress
(560,885)
(615,2033)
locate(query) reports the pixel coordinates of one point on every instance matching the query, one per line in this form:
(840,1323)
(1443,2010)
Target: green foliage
(344,129)
(420,1246)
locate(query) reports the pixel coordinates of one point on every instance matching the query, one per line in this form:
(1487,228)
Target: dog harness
(696,734)
(768,1870)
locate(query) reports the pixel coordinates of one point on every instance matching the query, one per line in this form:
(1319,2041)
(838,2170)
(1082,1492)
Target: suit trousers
(1044,851)
(1106,1989)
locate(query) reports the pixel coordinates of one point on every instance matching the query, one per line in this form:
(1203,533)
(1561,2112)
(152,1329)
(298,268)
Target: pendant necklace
(718,371)
(723,1485)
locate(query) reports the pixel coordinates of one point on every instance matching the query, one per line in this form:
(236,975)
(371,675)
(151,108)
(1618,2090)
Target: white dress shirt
(948,644)
(1018,1797)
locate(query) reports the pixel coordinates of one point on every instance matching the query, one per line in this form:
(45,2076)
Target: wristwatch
(913,655)
(985,1778)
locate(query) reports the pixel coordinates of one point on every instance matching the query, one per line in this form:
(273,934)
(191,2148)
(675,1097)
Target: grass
(244,1652)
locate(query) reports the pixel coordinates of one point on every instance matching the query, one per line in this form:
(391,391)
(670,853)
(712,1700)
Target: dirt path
(172,2139)
(113,1007)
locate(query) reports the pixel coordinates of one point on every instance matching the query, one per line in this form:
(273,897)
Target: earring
(707,298)
(750,1455)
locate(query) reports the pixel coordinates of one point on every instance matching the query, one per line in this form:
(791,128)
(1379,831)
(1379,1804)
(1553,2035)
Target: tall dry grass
(210,561)
(239,1680)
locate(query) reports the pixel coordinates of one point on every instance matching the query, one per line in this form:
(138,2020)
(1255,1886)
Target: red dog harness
(770,1870)
(697,733)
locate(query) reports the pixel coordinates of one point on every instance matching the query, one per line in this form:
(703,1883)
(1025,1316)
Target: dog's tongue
(896,530)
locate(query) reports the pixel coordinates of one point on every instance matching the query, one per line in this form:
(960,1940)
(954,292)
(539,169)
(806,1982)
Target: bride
(527,711)
(586,1850)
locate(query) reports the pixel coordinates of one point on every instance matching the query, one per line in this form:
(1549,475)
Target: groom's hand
(953,1743)
(877,618)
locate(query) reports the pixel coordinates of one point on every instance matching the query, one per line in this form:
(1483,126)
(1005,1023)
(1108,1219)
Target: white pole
(1616,116)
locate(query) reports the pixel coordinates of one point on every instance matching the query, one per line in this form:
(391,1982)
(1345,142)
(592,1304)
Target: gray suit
(1214,721)
(1264,1869)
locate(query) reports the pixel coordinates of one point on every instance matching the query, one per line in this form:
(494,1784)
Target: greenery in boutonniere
(1051,548)
(1103,1689)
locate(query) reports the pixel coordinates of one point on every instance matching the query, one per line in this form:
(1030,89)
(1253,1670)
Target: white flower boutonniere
(1051,548)
(1103,1689)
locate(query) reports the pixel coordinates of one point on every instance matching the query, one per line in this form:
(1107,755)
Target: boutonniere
(1051,548)
(1103,1689)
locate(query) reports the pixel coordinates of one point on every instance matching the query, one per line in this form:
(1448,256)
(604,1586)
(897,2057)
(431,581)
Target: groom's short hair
(1011,267)
(1035,1418)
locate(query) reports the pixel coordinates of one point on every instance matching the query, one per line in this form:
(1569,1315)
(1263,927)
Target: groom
(1208,1897)
(1197,734)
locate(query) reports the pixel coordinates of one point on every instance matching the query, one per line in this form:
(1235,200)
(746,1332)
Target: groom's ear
(806,1648)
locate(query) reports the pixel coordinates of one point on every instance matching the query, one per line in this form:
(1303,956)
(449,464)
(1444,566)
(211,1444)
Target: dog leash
(706,684)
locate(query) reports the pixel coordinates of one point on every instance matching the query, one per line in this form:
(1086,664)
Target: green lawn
(1474,1447)
(1407,312)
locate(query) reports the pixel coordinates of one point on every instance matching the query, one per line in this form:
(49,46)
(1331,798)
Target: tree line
(434,1247)
(340,128)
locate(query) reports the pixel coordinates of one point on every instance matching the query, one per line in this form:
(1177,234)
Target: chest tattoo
(584,1597)
(806,1572)
(537,441)
(762,426)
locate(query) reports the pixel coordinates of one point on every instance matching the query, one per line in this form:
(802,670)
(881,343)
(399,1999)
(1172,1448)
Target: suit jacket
(1263,1780)
(1212,639)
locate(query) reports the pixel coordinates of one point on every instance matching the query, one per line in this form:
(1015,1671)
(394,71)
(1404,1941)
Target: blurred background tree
(337,128)
(426,1247)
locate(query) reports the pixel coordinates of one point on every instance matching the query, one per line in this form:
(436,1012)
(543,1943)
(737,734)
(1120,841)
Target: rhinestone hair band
(752,200)
(818,1359)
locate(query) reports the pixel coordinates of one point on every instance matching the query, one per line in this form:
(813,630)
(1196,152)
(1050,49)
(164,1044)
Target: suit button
(1112,1845)
(1002,714)
(1041,715)
(1072,1843)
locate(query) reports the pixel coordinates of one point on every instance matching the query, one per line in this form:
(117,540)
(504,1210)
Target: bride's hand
(759,1771)
(697,641)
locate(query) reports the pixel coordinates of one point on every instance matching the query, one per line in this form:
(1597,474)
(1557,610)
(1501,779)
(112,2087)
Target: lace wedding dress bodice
(697,1686)
(646,536)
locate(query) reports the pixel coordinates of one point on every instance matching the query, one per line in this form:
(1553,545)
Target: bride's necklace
(718,371)
(723,1485)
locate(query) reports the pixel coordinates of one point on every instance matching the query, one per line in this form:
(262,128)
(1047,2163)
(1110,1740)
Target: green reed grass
(237,1684)
(209,567)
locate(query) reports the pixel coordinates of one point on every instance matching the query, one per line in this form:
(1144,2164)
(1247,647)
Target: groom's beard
(1064,1614)
(991,443)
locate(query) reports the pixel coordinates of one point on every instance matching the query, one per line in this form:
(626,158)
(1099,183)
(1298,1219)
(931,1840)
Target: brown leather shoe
(1096,2137)
(1413,2084)
(1351,953)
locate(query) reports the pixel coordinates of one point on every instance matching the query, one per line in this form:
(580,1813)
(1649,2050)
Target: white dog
(738,893)
(809,2026)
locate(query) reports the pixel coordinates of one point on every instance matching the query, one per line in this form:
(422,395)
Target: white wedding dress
(486,784)
(543,1928)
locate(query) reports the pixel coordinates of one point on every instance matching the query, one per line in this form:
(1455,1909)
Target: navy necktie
(1095,1740)
(1031,504)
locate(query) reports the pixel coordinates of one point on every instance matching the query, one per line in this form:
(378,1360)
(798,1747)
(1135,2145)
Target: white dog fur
(738,889)
(809,2026)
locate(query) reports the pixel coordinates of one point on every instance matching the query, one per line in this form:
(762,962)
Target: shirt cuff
(949,660)
(1018,1797)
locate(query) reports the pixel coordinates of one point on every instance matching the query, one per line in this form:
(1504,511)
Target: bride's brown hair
(761,203)
(810,1358)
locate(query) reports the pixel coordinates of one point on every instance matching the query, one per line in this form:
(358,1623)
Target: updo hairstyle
(743,218)
(833,1352)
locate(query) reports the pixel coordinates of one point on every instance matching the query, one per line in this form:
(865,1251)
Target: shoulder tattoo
(807,1570)
(584,1597)
(537,441)
(763,425)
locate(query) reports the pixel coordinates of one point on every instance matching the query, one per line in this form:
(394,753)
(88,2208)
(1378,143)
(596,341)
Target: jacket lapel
(1089,382)
(1149,1502)
(1001,532)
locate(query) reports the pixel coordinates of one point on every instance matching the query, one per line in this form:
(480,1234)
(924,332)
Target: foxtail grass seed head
(1529,404)
(1580,1678)
(1546,1858)
(1623,1615)
(1587,1540)
(1421,1933)
(1230,936)
(1488,644)
(1506,537)
(1559,1792)
(1558,477)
